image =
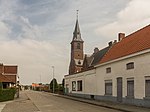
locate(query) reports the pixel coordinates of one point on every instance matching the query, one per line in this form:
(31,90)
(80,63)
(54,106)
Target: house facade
(8,75)
(122,73)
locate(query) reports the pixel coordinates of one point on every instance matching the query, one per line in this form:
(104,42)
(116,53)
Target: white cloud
(134,16)
(40,32)
(4,31)
(29,30)
(34,58)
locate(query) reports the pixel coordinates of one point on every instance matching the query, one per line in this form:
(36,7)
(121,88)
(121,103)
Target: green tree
(63,85)
(55,85)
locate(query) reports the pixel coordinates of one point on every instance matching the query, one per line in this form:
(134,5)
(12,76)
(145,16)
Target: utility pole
(40,79)
(53,79)
(40,84)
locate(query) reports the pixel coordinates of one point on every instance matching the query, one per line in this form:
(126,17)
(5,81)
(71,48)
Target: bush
(7,94)
(60,89)
(55,85)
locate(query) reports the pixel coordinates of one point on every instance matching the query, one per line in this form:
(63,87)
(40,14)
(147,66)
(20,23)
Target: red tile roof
(3,78)
(133,43)
(12,78)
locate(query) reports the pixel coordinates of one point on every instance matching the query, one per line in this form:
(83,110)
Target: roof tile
(4,78)
(133,43)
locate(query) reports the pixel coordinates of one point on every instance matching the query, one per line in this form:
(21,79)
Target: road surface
(34,101)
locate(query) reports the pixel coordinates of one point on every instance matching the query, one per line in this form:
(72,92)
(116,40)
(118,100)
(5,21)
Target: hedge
(7,94)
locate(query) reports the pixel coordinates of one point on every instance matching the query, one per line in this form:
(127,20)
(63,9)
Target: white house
(122,74)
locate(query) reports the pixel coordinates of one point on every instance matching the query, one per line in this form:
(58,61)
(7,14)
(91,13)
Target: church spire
(77,53)
(77,14)
(76,33)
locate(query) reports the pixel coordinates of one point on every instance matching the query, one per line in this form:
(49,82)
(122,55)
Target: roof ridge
(137,31)
(135,42)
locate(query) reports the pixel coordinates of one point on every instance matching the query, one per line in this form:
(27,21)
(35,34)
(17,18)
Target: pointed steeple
(77,52)
(76,33)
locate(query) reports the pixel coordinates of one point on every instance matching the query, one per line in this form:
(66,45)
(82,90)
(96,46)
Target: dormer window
(130,65)
(78,45)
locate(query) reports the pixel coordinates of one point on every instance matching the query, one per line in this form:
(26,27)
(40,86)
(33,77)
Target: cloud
(29,30)
(30,45)
(36,34)
(134,16)
(34,58)
(4,30)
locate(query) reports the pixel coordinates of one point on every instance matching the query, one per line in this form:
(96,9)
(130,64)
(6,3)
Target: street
(33,101)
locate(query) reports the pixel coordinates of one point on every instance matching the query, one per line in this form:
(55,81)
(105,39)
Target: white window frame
(108,87)
(130,87)
(73,85)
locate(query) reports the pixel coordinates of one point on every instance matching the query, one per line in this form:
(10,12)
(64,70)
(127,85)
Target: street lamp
(53,79)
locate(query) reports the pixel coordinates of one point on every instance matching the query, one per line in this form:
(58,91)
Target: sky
(36,34)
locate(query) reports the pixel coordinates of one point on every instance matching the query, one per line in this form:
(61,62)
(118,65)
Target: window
(130,88)
(79,83)
(79,62)
(108,70)
(78,45)
(108,87)
(74,86)
(147,88)
(130,65)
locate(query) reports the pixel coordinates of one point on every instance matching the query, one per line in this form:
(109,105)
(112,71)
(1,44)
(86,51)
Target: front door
(119,89)
(67,89)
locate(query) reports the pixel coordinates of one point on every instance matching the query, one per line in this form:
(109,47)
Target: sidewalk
(116,106)
(21,104)
(2,105)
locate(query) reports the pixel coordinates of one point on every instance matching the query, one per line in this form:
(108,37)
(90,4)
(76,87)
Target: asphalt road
(46,102)
(33,101)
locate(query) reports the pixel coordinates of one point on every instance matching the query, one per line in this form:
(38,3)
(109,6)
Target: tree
(55,84)
(63,85)
(63,82)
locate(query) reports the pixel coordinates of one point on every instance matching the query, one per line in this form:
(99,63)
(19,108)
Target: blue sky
(36,34)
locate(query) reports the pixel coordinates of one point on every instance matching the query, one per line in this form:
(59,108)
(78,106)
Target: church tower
(76,50)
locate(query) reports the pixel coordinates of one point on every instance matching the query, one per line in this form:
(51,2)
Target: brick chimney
(115,41)
(96,50)
(121,36)
(110,43)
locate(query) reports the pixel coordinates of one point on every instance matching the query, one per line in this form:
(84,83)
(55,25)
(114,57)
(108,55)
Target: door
(67,89)
(119,89)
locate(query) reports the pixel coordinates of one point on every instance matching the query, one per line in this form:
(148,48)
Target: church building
(79,61)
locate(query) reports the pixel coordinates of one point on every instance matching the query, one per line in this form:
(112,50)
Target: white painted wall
(88,80)
(141,69)
(94,80)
